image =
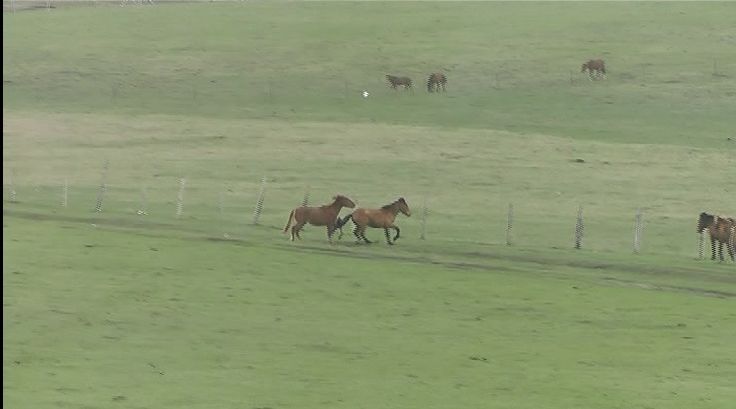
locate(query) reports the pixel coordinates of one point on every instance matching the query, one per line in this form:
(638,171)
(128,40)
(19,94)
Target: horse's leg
(712,248)
(388,236)
(398,232)
(329,234)
(362,234)
(720,250)
(298,228)
(356,232)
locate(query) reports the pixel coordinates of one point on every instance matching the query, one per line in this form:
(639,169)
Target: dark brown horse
(326,215)
(722,230)
(382,218)
(436,81)
(595,68)
(394,81)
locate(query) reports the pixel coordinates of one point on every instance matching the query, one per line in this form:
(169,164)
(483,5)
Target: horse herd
(362,218)
(722,229)
(437,81)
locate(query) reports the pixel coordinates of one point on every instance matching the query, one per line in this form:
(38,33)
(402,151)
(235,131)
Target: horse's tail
(343,221)
(288,222)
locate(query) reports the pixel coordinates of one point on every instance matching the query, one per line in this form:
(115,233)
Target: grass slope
(115,309)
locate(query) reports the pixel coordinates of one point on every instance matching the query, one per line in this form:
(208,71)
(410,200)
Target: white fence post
(65,193)
(180,198)
(143,207)
(637,231)
(509,224)
(103,187)
(579,227)
(259,203)
(425,213)
(305,200)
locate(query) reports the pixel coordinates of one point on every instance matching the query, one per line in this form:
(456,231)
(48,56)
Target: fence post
(425,213)
(579,228)
(637,231)
(221,211)
(305,200)
(259,202)
(509,223)
(65,193)
(103,186)
(143,205)
(11,186)
(180,198)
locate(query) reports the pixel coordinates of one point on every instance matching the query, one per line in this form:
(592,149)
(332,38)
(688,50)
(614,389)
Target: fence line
(219,222)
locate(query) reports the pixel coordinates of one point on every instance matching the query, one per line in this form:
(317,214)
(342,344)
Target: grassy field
(114,309)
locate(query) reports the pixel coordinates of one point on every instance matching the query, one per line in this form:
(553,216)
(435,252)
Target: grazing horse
(326,215)
(435,81)
(377,218)
(394,81)
(721,230)
(595,68)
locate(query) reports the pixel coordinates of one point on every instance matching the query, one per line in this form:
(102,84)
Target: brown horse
(595,68)
(394,81)
(436,81)
(326,215)
(377,218)
(722,230)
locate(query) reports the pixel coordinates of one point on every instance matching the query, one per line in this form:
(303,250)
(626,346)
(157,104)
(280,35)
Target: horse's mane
(392,204)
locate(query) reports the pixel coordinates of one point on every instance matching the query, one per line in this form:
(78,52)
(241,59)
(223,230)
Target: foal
(377,218)
(721,230)
(326,215)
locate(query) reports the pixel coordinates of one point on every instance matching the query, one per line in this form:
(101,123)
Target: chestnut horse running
(722,230)
(377,218)
(595,68)
(326,215)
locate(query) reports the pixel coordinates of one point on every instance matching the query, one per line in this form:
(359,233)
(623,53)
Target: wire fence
(221,211)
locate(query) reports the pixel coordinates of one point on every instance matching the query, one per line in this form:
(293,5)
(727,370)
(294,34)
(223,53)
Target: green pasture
(208,310)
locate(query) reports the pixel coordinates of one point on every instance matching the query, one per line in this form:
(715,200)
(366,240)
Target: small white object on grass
(365,94)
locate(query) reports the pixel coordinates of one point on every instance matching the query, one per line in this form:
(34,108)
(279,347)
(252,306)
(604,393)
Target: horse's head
(403,207)
(584,67)
(344,201)
(704,221)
